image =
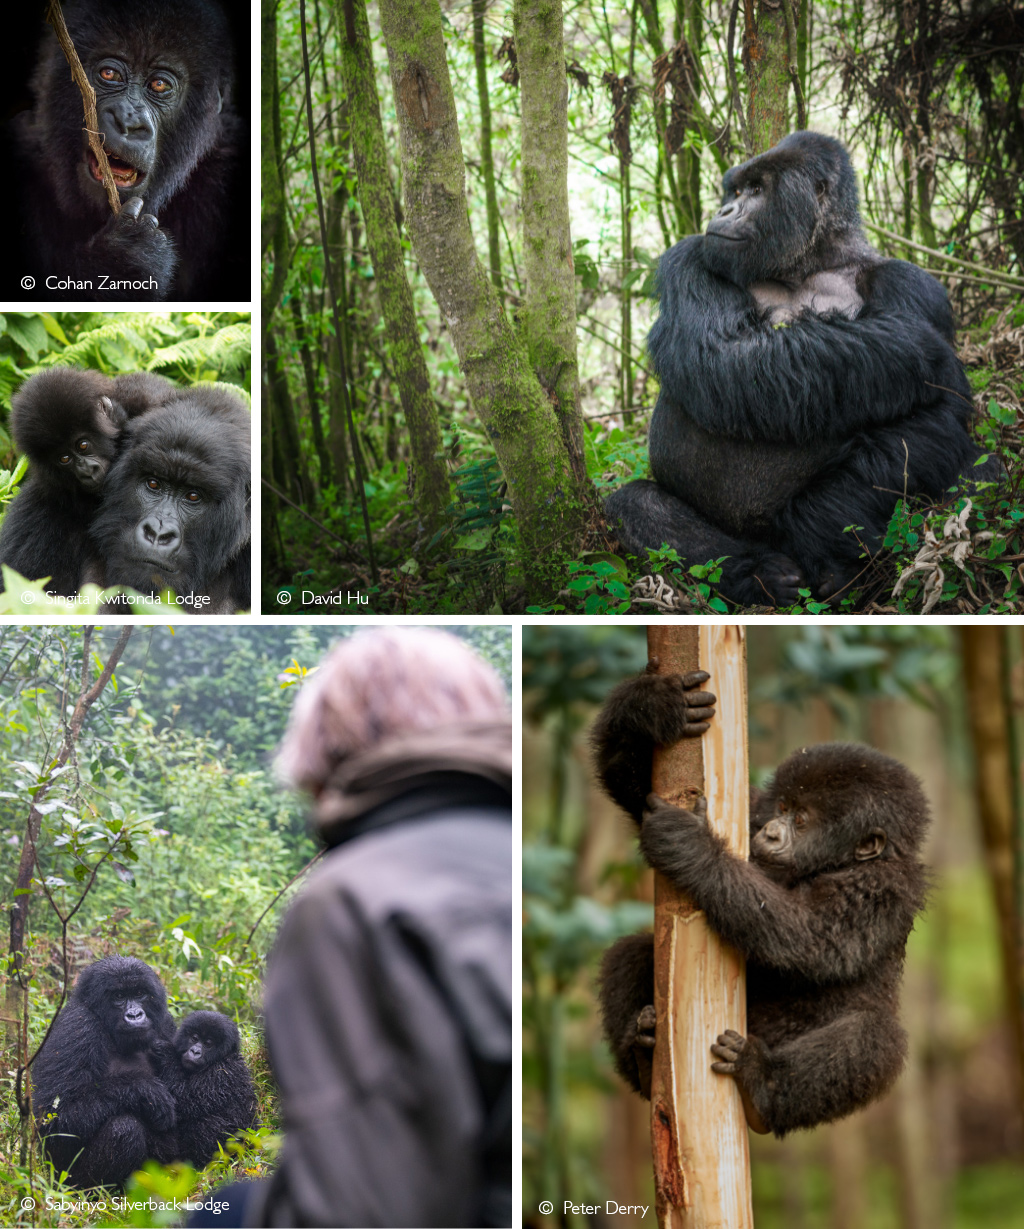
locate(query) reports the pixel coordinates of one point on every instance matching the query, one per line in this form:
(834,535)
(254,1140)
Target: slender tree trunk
(312,398)
(986,677)
(626,292)
(766,60)
(547,500)
(548,318)
(284,415)
(698,1129)
(486,151)
(401,329)
(273,236)
(88,694)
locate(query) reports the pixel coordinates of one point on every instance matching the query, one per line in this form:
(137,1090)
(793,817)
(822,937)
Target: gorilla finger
(699,714)
(131,208)
(693,729)
(694,678)
(148,217)
(724,1068)
(700,808)
(695,699)
(724,1052)
(653,665)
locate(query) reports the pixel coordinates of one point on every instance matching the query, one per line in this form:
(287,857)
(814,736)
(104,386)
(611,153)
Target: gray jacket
(389,1022)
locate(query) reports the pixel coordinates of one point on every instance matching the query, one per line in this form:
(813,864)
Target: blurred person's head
(380,684)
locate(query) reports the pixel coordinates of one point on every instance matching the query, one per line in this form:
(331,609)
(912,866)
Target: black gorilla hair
(96,1094)
(191,33)
(197,443)
(67,422)
(816,215)
(779,424)
(213,1091)
(821,911)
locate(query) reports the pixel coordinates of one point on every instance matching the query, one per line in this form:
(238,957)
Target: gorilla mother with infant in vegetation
(807,383)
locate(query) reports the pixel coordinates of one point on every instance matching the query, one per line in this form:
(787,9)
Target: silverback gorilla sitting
(96,1096)
(163,75)
(806,383)
(821,911)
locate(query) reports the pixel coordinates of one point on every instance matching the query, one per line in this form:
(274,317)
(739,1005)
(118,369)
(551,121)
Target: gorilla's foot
(779,579)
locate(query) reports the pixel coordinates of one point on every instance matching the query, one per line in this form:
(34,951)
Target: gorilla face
(67,422)
(175,512)
(778,207)
(204,1038)
(162,72)
(134,101)
(126,995)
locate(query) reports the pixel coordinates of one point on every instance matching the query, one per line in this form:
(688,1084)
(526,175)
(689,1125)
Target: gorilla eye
(110,74)
(160,85)
(153,484)
(66,459)
(193,497)
(799,819)
(82,445)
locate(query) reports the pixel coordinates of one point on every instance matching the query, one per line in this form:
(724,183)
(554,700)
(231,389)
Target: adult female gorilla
(806,383)
(388,1000)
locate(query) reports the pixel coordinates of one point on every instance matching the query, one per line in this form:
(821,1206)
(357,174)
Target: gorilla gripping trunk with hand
(698,1132)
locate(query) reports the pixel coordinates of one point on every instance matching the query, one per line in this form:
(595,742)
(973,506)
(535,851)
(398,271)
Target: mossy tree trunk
(766,60)
(548,318)
(486,149)
(401,330)
(547,499)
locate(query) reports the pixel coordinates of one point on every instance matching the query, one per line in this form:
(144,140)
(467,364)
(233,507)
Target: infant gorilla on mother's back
(806,383)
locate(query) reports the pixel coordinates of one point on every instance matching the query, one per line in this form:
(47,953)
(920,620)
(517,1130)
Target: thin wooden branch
(92,124)
(997,275)
(698,1131)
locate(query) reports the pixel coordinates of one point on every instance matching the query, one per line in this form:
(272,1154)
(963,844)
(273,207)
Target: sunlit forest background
(662,98)
(160,832)
(945,1150)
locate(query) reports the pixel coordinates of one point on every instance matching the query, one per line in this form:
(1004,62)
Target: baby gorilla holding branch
(96,1093)
(821,911)
(210,1083)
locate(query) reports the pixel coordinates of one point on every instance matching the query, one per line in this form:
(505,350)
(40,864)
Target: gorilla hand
(132,247)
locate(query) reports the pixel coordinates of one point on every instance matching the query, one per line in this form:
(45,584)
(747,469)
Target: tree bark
(766,60)
(312,399)
(546,498)
(548,318)
(986,674)
(428,472)
(698,1130)
(486,150)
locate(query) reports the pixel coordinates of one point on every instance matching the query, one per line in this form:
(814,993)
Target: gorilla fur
(176,509)
(806,382)
(163,74)
(96,1094)
(213,1092)
(68,423)
(822,911)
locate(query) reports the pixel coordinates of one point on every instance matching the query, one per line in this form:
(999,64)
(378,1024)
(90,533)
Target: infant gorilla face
(204,1038)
